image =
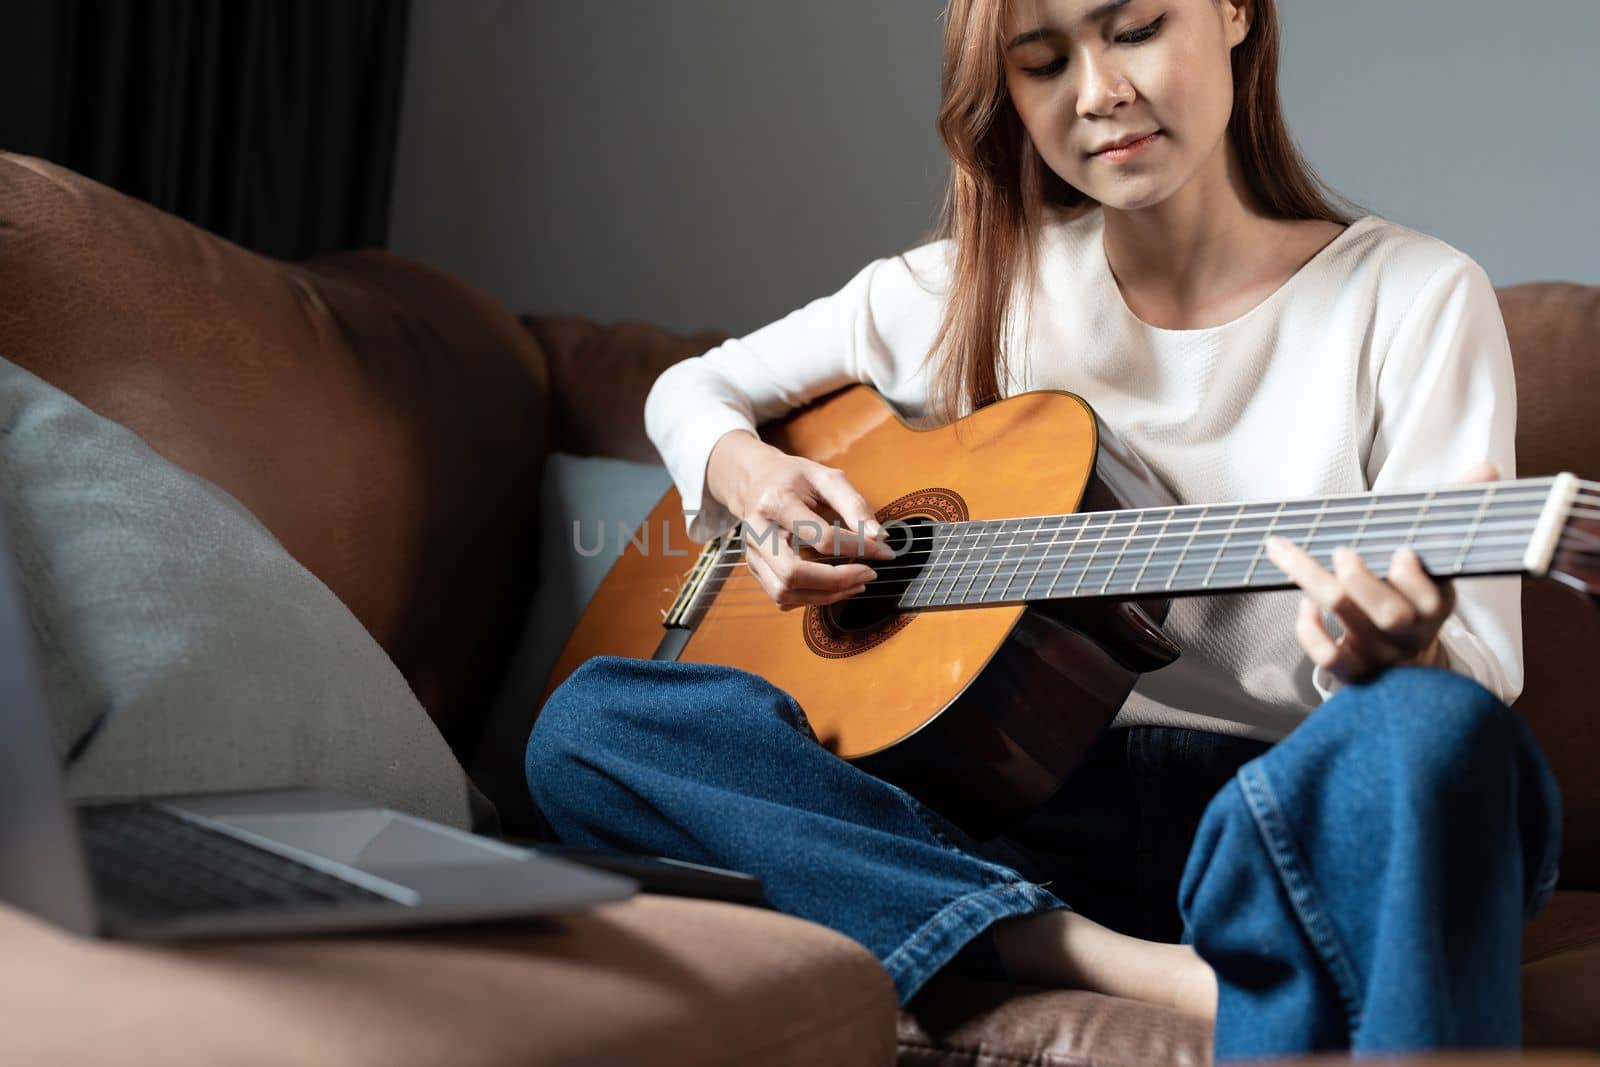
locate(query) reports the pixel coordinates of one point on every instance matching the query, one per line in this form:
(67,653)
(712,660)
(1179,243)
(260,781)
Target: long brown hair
(1001,190)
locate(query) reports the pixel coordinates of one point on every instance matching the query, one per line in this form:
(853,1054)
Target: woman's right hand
(786,500)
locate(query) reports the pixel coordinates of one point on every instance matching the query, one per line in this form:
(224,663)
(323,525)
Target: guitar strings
(1224,566)
(1133,518)
(1232,575)
(969,539)
(742,604)
(1235,567)
(953,545)
(968,534)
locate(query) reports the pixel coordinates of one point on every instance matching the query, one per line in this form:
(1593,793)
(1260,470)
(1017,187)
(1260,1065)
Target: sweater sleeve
(877,330)
(1446,400)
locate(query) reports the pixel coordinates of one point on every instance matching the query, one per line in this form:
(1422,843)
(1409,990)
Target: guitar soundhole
(878,602)
(873,616)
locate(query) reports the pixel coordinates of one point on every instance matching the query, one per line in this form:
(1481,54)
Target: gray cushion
(217,661)
(600,494)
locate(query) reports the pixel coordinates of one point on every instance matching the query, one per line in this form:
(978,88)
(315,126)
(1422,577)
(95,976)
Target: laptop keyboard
(150,865)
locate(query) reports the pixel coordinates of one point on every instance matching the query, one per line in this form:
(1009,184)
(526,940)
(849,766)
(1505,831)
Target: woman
(1129,221)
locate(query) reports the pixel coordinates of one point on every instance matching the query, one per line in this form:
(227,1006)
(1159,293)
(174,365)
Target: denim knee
(613,711)
(568,728)
(1440,747)
(1435,722)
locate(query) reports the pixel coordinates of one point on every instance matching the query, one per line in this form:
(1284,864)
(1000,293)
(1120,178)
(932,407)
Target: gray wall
(718,162)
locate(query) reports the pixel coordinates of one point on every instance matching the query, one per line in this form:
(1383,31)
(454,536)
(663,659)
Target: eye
(1143,33)
(1050,69)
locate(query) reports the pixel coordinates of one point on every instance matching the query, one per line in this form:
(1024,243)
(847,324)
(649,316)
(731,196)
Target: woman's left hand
(1388,622)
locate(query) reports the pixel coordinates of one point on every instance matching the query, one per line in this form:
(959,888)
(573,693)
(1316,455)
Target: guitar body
(979,712)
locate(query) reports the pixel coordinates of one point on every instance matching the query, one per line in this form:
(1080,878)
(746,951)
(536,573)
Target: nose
(1102,86)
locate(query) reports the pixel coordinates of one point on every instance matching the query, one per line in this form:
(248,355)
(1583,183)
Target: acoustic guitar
(1036,558)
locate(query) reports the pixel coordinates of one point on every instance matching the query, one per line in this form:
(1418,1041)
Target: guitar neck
(1479,529)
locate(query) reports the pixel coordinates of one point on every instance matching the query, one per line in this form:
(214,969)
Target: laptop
(238,864)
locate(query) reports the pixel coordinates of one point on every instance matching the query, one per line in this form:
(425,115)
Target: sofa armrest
(600,376)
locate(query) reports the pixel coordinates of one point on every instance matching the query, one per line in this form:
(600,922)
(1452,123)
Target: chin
(1129,195)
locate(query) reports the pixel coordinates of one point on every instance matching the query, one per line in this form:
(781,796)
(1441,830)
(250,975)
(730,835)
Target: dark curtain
(271,122)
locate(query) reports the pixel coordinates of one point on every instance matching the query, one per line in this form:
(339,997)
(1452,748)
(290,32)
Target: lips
(1123,143)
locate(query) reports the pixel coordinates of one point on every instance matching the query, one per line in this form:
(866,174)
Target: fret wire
(1032,542)
(1321,509)
(972,558)
(927,579)
(1517,531)
(1532,492)
(1234,565)
(975,535)
(1377,556)
(979,552)
(1355,544)
(1176,567)
(907,597)
(1233,562)
(972,533)
(1225,578)
(1066,554)
(1486,556)
(1005,557)
(1137,578)
(1034,577)
(1240,556)
(953,539)
(1230,574)
(1482,556)
(1126,541)
(1261,549)
(1210,541)
(1226,537)
(1037,527)
(1466,546)
(1503,553)
(1530,513)
(981,557)
(1090,561)
(1001,562)
(1422,513)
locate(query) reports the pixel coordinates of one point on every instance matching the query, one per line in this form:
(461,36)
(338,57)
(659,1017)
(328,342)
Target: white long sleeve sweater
(1381,364)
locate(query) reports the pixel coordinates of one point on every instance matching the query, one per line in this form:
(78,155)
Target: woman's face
(1086,75)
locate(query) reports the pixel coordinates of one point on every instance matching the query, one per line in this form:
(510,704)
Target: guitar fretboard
(1216,548)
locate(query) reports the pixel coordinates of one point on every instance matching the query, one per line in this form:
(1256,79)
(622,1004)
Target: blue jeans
(1361,884)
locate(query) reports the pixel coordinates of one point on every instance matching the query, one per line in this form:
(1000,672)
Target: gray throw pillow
(603,497)
(163,608)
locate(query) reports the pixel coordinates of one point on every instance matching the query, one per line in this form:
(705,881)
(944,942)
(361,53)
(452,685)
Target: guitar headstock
(1576,562)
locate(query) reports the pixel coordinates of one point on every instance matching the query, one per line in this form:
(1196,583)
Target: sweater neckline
(1103,264)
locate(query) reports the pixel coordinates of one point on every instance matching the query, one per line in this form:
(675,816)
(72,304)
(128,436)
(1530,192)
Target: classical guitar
(1036,558)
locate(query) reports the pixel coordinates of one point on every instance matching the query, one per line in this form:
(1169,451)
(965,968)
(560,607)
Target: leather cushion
(656,980)
(386,422)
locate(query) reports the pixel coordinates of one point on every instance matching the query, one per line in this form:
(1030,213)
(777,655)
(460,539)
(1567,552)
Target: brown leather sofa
(290,386)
